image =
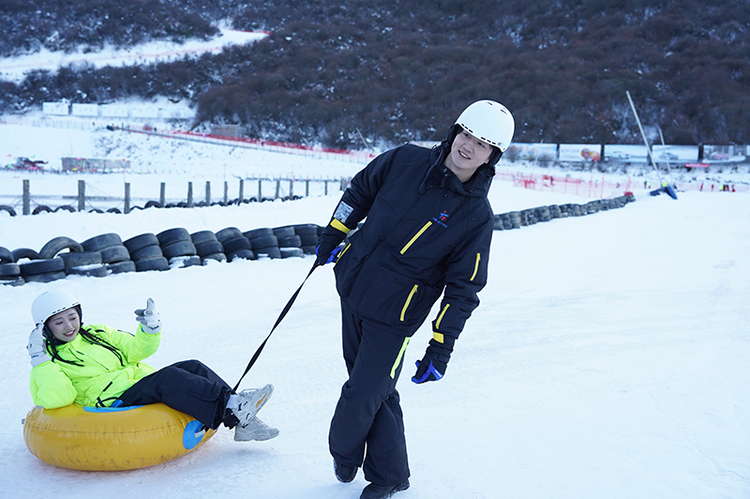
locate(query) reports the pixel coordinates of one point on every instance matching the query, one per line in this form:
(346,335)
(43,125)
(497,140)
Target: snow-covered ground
(609,356)
(14,68)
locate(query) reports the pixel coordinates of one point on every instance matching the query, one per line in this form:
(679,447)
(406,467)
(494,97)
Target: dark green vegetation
(402,70)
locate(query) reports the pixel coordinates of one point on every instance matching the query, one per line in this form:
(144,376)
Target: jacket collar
(439,174)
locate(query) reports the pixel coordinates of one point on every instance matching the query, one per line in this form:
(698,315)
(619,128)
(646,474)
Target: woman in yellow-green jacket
(96,365)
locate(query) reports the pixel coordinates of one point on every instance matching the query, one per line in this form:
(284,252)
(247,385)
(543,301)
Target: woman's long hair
(53,343)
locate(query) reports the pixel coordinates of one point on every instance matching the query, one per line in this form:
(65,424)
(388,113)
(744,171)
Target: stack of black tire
(517,219)
(115,256)
(263,242)
(145,253)
(208,246)
(178,248)
(10,272)
(290,244)
(77,261)
(308,234)
(38,269)
(236,245)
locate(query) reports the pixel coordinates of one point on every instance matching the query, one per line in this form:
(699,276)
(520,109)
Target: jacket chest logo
(442,219)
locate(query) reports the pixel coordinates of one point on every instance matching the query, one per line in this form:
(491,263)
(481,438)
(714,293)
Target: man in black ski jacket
(427,233)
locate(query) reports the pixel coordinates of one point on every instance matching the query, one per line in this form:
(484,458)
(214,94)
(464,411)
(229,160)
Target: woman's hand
(37,346)
(149,318)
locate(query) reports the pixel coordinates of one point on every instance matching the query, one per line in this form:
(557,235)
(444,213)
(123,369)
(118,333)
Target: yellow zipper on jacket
(416,236)
(476,267)
(338,257)
(408,300)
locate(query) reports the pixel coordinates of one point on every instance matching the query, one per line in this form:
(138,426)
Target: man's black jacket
(425,234)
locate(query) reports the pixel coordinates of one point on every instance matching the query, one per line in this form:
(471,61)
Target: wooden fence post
(81,195)
(126,207)
(278,189)
(190,195)
(163,194)
(26,197)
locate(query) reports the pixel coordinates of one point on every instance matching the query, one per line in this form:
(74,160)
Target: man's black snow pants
(188,386)
(368,423)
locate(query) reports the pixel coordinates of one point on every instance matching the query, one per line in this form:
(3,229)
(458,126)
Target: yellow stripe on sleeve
(440,317)
(336,224)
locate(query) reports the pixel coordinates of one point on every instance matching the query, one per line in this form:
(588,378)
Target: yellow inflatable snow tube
(109,439)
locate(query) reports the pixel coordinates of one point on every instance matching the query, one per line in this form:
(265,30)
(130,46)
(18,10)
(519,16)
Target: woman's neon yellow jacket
(102,375)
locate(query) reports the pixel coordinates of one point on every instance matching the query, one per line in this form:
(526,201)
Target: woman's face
(65,325)
(467,154)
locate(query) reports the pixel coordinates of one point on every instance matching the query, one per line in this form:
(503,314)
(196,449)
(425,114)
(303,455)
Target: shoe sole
(397,488)
(258,438)
(341,478)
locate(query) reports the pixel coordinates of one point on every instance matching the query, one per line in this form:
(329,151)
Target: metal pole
(208,193)
(242,190)
(26,198)
(190,195)
(643,134)
(163,194)
(81,195)
(126,206)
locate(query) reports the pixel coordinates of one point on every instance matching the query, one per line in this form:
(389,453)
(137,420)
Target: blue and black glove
(434,363)
(329,245)
(327,253)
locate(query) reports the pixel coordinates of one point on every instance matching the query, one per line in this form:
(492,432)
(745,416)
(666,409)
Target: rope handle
(278,321)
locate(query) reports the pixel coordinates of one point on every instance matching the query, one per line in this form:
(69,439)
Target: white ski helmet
(50,303)
(489,121)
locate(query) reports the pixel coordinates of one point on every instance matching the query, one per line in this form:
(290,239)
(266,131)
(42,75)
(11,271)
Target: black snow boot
(344,473)
(373,491)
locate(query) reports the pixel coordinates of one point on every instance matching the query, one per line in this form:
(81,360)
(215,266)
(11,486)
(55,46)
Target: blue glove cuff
(331,256)
(430,370)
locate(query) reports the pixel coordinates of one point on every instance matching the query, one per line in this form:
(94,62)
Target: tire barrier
(523,218)
(107,254)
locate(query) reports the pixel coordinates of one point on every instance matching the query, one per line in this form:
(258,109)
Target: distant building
(94,165)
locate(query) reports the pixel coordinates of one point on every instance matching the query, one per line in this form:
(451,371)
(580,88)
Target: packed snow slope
(608,358)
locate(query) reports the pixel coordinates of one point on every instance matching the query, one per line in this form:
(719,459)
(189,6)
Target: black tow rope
(278,321)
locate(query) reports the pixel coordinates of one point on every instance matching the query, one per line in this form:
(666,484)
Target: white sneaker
(254,430)
(251,401)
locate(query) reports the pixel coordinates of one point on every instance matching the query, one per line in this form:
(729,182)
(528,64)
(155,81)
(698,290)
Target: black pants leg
(368,423)
(188,386)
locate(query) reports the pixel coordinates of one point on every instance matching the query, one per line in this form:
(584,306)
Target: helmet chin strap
(51,337)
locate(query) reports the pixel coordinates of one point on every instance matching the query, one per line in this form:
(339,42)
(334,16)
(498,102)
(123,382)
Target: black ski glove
(434,363)
(326,253)
(328,246)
